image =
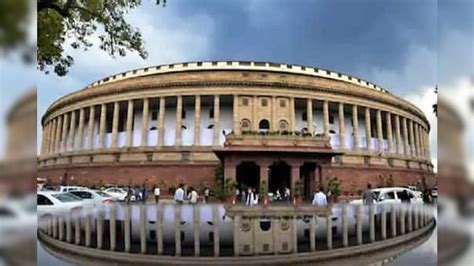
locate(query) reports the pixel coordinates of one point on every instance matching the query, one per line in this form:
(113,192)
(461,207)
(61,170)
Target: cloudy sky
(393,43)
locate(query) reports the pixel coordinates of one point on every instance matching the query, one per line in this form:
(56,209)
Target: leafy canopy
(80,21)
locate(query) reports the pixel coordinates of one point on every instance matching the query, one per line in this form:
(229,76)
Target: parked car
(69,188)
(434,192)
(54,203)
(95,197)
(394,195)
(17,222)
(118,193)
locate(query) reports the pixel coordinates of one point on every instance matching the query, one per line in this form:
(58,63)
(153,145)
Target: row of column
(413,141)
(59,133)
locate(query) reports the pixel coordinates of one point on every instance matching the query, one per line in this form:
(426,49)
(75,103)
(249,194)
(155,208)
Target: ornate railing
(234,234)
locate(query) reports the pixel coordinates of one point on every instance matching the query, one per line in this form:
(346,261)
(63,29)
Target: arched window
(283,125)
(264,125)
(245,125)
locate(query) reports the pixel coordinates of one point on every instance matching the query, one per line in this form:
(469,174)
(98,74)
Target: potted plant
(334,186)
(298,193)
(230,186)
(264,191)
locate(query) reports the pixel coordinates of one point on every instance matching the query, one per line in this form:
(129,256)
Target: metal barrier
(216,234)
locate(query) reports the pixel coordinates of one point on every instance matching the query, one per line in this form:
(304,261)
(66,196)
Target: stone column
(295,176)
(326,117)
(389,133)
(230,170)
(44,138)
(179,115)
(90,134)
(129,136)
(161,122)
(355,127)
(399,135)
(309,115)
(421,141)
(235,113)
(72,131)
(264,171)
(379,131)
(52,136)
(428,153)
(146,109)
(217,127)
(115,122)
(292,115)
(417,140)
(59,127)
(103,113)
(80,131)
(64,132)
(274,122)
(342,127)
(254,113)
(368,134)
(197,120)
(412,138)
(405,137)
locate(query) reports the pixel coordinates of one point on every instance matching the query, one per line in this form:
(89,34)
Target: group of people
(182,195)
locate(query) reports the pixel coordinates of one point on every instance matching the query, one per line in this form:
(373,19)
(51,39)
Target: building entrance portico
(248,175)
(279,176)
(252,162)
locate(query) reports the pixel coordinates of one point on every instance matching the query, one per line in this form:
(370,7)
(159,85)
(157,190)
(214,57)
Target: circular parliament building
(265,123)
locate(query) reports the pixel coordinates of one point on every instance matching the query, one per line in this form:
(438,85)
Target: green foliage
(14,22)
(334,185)
(80,21)
(219,177)
(299,190)
(230,186)
(264,188)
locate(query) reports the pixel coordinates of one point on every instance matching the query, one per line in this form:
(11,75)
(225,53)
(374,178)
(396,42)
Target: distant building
(264,121)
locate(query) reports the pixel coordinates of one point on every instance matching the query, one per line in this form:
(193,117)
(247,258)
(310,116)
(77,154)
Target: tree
(80,21)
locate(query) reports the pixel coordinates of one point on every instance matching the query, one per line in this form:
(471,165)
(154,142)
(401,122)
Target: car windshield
(67,197)
(103,194)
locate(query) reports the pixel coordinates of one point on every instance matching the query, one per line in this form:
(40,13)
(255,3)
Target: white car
(17,222)
(51,203)
(70,188)
(94,197)
(117,193)
(394,195)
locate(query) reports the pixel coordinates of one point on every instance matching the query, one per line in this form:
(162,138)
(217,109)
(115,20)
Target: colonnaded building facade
(263,121)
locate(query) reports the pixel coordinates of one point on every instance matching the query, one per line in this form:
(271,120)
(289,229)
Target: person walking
(157,192)
(128,198)
(319,198)
(144,194)
(193,196)
(249,200)
(206,195)
(287,194)
(179,195)
(369,197)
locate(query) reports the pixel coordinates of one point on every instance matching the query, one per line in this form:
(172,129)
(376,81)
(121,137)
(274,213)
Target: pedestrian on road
(157,193)
(128,198)
(369,196)
(144,194)
(206,195)
(193,196)
(319,198)
(179,195)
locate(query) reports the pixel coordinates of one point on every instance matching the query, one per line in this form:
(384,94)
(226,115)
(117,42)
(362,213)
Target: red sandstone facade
(273,122)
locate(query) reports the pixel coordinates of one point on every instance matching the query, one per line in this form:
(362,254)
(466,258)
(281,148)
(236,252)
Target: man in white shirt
(319,198)
(157,193)
(179,195)
(193,196)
